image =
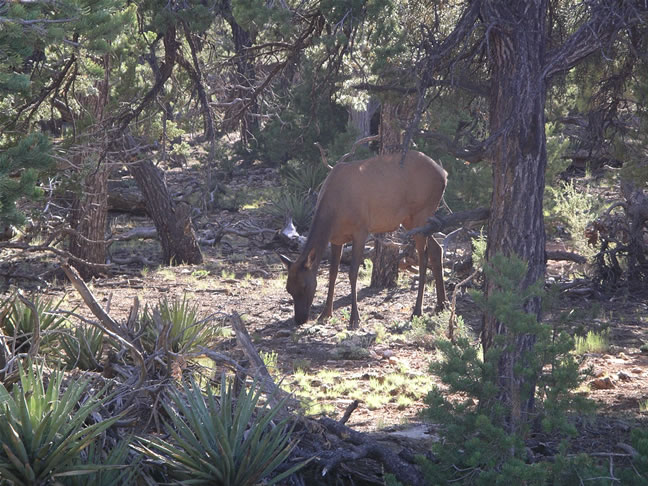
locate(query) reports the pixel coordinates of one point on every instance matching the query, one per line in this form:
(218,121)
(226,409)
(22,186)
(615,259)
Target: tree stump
(385,263)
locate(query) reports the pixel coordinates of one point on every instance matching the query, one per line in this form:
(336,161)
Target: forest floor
(385,363)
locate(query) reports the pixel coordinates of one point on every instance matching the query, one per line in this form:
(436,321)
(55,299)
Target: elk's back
(378,194)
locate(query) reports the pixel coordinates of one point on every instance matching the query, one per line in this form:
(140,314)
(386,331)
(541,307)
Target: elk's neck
(318,237)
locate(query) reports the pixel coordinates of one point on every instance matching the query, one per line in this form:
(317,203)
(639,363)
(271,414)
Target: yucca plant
(186,331)
(43,431)
(114,472)
(226,442)
(299,207)
(83,349)
(17,321)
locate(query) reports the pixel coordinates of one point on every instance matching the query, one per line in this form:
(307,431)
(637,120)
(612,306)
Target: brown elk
(368,196)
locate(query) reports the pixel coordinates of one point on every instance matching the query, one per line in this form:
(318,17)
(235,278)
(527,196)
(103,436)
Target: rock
(636,371)
(602,384)
(597,372)
(624,376)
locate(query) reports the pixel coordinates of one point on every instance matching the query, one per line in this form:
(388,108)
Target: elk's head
(301,284)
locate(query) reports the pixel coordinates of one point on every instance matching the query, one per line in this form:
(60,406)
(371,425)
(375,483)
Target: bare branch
(607,19)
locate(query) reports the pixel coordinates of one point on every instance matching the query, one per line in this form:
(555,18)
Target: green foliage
(557,145)
(116,468)
(303,178)
(638,474)
(311,116)
(43,431)
(21,164)
(223,440)
(17,321)
(83,348)
(180,326)
(593,342)
(478,446)
(427,330)
(575,208)
(299,208)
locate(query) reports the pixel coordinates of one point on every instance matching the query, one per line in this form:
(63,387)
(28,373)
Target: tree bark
(172,221)
(384,273)
(385,264)
(360,120)
(516,225)
(90,208)
(89,216)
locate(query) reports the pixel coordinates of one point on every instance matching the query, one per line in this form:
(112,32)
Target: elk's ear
(286,261)
(310,259)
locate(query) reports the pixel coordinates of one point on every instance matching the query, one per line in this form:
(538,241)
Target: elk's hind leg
(421,250)
(357,256)
(435,252)
(336,254)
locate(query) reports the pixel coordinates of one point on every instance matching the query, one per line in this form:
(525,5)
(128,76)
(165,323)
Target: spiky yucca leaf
(228,442)
(43,432)
(84,348)
(187,329)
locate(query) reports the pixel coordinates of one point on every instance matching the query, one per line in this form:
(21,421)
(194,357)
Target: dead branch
(65,255)
(260,372)
(355,145)
(438,223)
(110,326)
(349,410)
(565,255)
(323,155)
(405,472)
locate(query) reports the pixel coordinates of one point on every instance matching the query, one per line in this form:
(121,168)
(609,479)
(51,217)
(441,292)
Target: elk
(375,195)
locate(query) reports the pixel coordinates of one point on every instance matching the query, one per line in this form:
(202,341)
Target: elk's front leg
(356,259)
(336,254)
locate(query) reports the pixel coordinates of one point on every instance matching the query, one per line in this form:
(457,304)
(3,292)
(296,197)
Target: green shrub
(17,321)
(479,446)
(180,325)
(574,207)
(638,473)
(116,468)
(299,207)
(222,440)
(593,342)
(43,431)
(83,348)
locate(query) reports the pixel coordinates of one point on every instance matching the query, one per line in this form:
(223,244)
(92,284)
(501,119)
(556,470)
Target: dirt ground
(244,275)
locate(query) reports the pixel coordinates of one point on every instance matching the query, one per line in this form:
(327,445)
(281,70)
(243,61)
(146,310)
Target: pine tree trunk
(360,120)
(172,221)
(384,273)
(516,225)
(385,266)
(89,216)
(90,208)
